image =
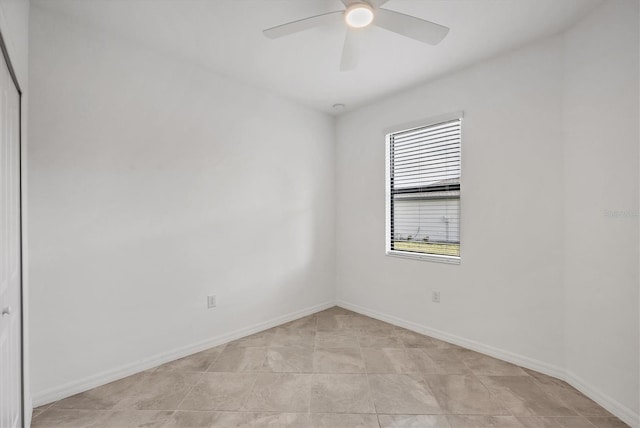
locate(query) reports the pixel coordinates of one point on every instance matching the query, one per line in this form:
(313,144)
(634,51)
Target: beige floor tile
(158,391)
(327,322)
(441,344)
(438,361)
(475,421)
(280,392)
(464,394)
(268,380)
(554,422)
(38,410)
(342,420)
(450,360)
(43,407)
(257,340)
(402,394)
(137,418)
(219,391)
(103,397)
(335,323)
(368,339)
(289,360)
(573,422)
(607,422)
(260,420)
(340,339)
(338,360)
(35,413)
(307,323)
(65,418)
(190,419)
(336,310)
(427,365)
(485,365)
(411,339)
(199,362)
(341,393)
(388,360)
(362,323)
(413,421)
(242,359)
(568,395)
(542,422)
(578,402)
(522,396)
(293,338)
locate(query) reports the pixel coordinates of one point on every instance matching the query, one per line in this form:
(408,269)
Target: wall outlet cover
(211,301)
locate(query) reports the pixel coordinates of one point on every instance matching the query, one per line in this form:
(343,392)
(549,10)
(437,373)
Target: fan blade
(374,3)
(303,24)
(349,59)
(377,3)
(410,26)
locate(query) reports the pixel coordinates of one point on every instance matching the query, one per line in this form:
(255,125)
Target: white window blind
(423,191)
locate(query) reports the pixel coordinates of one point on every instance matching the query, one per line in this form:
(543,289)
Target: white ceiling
(225,36)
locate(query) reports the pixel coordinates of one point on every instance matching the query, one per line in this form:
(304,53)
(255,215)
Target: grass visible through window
(441,249)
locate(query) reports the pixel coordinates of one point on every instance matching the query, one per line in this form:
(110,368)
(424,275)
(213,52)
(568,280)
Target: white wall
(512,211)
(14,24)
(601,178)
(550,145)
(154,183)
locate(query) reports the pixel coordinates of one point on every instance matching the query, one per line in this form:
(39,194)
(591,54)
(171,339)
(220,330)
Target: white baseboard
(80,385)
(625,414)
(621,411)
(529,363)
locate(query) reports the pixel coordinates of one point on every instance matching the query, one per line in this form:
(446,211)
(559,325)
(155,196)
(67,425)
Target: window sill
(428,257)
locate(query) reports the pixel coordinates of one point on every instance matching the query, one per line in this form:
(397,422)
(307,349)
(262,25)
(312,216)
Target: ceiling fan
(359,14)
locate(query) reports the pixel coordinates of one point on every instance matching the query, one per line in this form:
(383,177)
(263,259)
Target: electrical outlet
(211,301)
(435,297)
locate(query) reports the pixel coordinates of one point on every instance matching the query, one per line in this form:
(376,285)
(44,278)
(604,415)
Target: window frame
(407,127)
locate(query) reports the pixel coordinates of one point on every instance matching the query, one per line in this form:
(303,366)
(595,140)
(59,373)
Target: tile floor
(332,369)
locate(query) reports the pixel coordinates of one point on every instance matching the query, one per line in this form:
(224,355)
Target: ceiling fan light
(359,15)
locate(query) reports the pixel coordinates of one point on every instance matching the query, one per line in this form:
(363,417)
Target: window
(423,191)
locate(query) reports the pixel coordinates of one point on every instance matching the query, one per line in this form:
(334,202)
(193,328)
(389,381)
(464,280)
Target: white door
(10,264)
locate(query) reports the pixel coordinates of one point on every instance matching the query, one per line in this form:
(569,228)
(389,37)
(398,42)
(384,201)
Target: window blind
(424,189)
